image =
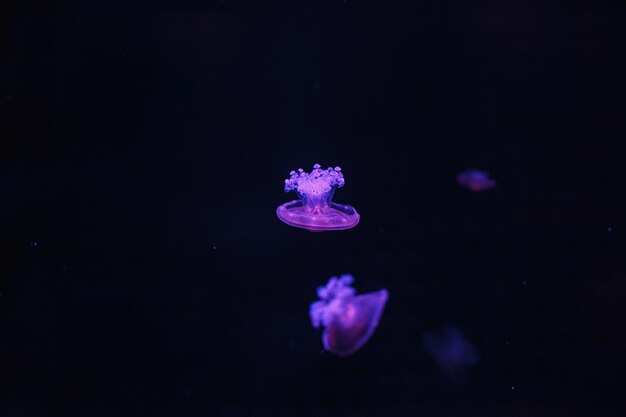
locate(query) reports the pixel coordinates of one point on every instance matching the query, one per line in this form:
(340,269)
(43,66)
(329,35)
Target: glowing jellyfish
(451,351)
(349,320)
(475,180)
(315,211)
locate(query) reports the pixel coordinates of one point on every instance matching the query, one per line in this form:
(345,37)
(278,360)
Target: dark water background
(143,271)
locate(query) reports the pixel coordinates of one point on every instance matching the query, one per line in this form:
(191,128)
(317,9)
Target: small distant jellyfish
(315,210)
(349,320)
(451,351)
(475,180)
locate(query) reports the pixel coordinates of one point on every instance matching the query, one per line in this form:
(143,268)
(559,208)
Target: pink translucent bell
(315,210)
(349,320)
(475,180)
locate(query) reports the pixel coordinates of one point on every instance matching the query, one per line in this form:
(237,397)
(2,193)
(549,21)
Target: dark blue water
(143,271)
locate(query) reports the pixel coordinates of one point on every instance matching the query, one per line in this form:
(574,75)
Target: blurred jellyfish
(349,320)
(475,180)
(315,211)
(452,352)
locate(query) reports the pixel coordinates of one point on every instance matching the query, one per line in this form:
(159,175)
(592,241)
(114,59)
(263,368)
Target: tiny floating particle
(315,210)
(349,320)
(475,180)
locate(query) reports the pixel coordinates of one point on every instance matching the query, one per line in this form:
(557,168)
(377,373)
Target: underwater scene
(327,209)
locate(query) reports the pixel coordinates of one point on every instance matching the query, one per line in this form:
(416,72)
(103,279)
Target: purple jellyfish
(315,210)
(452,352)
(348,320)
(475,180)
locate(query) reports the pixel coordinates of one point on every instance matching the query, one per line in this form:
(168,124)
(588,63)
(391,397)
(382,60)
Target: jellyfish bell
(475,180)
(352,329)
(451,351)
(349,320)
(315,210)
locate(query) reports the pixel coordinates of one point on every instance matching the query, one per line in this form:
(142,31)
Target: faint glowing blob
(451,351)
(349,320)
(475,180)
(315,211)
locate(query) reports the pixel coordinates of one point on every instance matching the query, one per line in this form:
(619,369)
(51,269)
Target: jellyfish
(315,211)
(475,180)
(349,320)
(451,351)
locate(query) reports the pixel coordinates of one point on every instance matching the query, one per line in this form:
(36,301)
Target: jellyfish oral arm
(333,300)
